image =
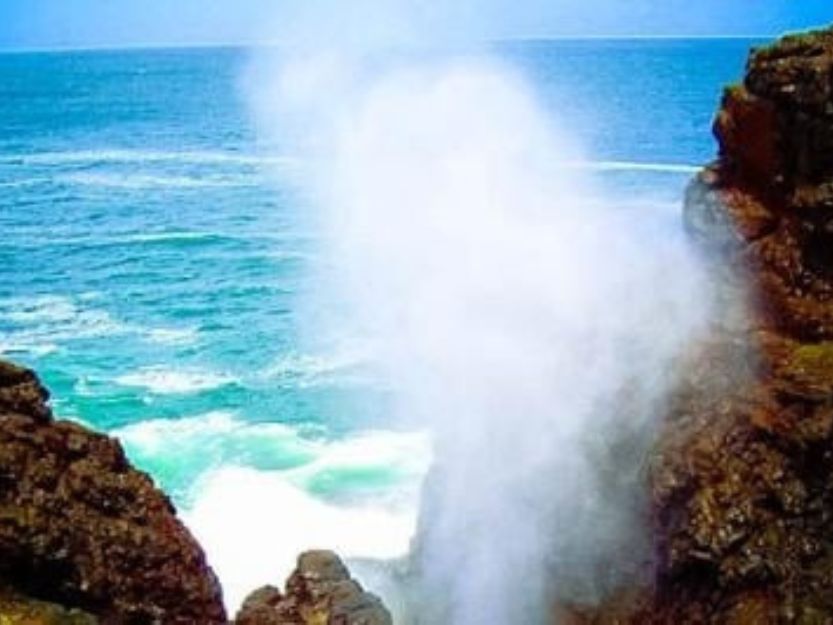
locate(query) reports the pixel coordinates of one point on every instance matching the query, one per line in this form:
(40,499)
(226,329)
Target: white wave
(84,324)
(128,238)
(162,381)
(36,350)
(147,156)
(307,370)
(660,168)
(26,182)
(45,320)
(405,453)
(172,336)
(253,524)
(144,181)
(169,435)
(150,237)
(207,441)
(309,364)
(37,309)
(124,239)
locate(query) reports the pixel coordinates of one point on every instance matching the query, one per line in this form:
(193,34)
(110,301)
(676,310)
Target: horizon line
(275,44)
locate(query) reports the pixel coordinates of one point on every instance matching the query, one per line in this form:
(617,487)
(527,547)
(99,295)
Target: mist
(528,322)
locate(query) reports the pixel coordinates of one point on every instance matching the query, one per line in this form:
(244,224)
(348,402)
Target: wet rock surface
(319,592)
(79,527)
(741,481)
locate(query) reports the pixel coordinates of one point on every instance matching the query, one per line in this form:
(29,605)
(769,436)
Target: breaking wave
(283,489)
(145,156)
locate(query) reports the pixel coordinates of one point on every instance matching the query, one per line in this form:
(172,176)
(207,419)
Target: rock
(79,527)
(319,592)
(741,480)
(262,607)
(22,393)
(19,610)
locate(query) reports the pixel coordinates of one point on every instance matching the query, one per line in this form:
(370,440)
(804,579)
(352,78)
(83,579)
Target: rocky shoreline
(740,482)
(85,538)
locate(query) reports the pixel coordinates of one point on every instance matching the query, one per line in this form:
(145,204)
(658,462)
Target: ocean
(155,268)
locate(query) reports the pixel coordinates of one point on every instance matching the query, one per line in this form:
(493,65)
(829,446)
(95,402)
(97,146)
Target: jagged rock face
(81,528)
(775,180)
(741,481)
(319,592)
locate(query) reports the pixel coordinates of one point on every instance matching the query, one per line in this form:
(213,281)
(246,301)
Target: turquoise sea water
(153,259)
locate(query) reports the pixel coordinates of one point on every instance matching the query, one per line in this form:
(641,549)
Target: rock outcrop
(742,479)
(319,592)
(82,529)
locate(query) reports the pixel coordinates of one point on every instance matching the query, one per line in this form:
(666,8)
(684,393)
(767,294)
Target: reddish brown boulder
(81,528)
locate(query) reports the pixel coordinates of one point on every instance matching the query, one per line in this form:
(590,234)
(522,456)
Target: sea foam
(150,181)
(106,155)
(253,524)
(37,325)
(163,381)
(254,497)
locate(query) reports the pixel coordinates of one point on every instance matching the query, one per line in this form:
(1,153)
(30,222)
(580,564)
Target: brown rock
(747,128)
(81,528)
(319,592)
(262,607)
(16,609)
(21,392)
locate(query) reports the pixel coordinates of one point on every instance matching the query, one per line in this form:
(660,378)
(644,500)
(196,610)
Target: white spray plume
(529,323)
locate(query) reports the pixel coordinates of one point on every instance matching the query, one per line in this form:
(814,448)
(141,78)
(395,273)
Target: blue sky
(115,23)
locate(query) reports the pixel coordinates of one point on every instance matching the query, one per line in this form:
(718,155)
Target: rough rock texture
(319,592)
(742,479)
(79,527)
(20,610)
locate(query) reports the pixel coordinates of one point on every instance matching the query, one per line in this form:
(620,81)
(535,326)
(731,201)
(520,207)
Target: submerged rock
(742,478)
(319,592)
(80,528)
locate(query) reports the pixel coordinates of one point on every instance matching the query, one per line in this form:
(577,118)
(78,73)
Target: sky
(121,23)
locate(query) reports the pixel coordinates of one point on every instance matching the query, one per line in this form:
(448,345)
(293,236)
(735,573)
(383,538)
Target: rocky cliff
(742,479)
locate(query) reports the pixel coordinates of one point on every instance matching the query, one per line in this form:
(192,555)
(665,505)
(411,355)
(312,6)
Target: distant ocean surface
(153,261)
